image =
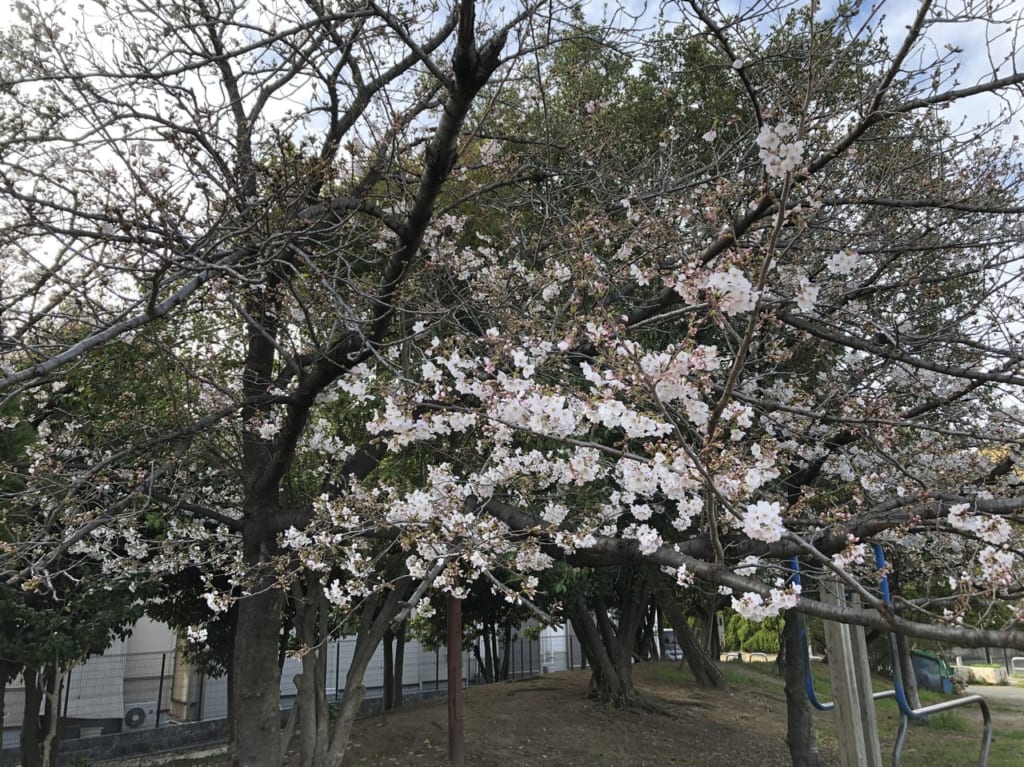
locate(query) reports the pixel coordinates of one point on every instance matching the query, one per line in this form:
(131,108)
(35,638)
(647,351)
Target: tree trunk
(800,734)
(51,718)
(377,615)
(705,670)
(645,640)
(610,646)
(355,692)
(30,737)
(709,632)
(907,670)
(481,665)
(394,657)
(293,716)
(495,662)
(611,682)
(311,612)
(614,640)
(488,636)
(399,666)
(609,651)
(231,694)
(662,639)
(388,701)
(255,705)
(313,715)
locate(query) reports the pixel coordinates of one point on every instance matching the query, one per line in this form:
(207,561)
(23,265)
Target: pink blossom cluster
(855,553)
(991,529)
(843,262)
(753,606)
(731,291)
(779,151)
(762,521)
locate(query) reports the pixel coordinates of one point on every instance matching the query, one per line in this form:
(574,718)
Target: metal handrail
(812,696)
(908,711)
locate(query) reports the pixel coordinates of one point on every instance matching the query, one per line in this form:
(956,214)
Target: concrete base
(172,737)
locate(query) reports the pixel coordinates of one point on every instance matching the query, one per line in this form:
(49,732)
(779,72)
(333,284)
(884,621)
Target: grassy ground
(548,721)
(949,739)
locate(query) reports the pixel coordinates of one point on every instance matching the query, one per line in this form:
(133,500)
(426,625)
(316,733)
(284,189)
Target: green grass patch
(760,676)
(948,721)
(949,739)
(673,672)
(935,744)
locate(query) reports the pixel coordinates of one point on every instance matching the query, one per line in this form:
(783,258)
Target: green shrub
(765,639)
(749,636)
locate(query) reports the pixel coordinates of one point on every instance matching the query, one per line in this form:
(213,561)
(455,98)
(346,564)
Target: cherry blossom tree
(748,345)
(821,360)
(738,289)
(260,176)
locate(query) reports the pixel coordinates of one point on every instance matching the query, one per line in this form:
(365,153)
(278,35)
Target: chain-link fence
(138,691)
(107,693)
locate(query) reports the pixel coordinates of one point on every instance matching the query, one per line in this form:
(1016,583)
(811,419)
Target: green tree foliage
(750,636)
(50,624)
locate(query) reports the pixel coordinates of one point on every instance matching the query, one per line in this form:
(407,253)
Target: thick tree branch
(893,352)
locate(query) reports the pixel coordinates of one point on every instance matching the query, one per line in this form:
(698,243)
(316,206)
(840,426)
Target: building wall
(145,670)
(126,674)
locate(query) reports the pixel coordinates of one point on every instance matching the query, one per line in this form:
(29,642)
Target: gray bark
(389,670)
(506,651)
(705,670)
(399,665)
(29,739)
(311,699)
(907,670)
(800,732)
(378,612)
(38,733)
(609,647)
(53,679)
(606,682)
(255,704)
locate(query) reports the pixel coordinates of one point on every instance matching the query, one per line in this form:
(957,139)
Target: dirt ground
(549,721)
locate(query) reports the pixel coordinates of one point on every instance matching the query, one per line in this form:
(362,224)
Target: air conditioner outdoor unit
(138,714)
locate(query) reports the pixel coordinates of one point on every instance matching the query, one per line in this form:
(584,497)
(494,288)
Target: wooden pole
(848,668)
(456,738)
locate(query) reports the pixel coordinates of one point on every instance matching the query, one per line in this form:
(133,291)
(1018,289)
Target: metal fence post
(337,669)
(160,690)
(67,692)
(200,713)
(456,736)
